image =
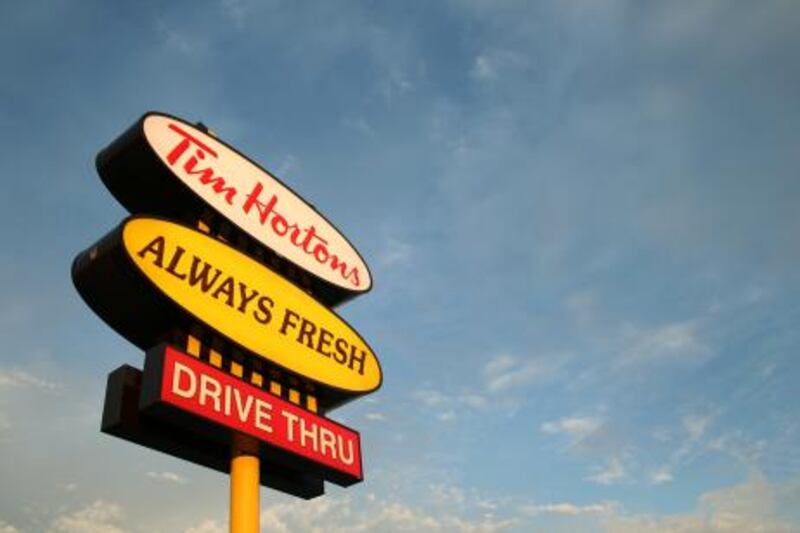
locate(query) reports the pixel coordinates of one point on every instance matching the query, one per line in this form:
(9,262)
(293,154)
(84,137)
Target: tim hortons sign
(167,166)
(241,363)
(172,275)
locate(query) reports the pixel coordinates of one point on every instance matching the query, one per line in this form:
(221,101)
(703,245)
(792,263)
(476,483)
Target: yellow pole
(245,485)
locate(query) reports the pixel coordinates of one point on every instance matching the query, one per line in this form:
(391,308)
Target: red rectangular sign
(192,385)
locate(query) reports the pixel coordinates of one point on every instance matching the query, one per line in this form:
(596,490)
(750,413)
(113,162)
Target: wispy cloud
(171,477)
(375,417)
(345,513)
(5,527)
(237,11)
(98,517)
(661,476)
(672,341)
(360,125)
(446,407)
(20,379)
(177,40)
(613,472)
(504,372)
(750,506)
(395,253)
(576,427)
(571,509)
(696,425)
(498,64)
(208,525)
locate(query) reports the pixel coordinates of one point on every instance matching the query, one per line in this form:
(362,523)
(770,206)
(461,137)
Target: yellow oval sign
(251,305)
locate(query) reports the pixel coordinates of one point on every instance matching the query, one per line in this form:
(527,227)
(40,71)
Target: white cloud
(288,164)
(237,11)
(446,416)
(661,476)
(359,125)
(569,508)
(504,372)
(498,64)
(474,401)
(21,379)
(750,506)
(582,306)
(174,39)
(208,526)
(447,495)
(172,477)
(576,427)
(498,364)
(5,527)
(586,435)
(482,68)
(98,517)
(446,405)
(395,253)
(431,398)
(613,472)
(375,417)
(673,341)
(742,448)
(340,514)
(695,425)
(395,83)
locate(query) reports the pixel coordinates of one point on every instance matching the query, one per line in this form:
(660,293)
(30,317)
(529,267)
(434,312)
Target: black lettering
(202,277)
(156,247)
(307,330)
(244,297)
(324,341)
(173,263)
(340,355)
(288,323)
(359,358)
(225,287)
(264,314)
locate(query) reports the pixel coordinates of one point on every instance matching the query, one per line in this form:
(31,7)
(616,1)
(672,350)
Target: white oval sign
(255,201)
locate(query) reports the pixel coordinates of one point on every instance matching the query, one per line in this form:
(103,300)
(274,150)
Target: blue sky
(581,218)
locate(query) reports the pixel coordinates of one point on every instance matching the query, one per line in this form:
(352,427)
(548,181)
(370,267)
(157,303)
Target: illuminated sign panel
(164,160)
(202,277)
(162,432)
(183,382)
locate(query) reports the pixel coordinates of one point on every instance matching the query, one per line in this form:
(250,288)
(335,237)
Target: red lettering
(181,147)
(306,239)
(263,209)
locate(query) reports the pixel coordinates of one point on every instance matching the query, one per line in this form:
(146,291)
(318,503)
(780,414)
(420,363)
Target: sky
(581,218)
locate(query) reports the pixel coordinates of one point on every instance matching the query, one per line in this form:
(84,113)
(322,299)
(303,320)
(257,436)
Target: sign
(167,166)
(181,383)
(150,275)
(159,431)
(264,353)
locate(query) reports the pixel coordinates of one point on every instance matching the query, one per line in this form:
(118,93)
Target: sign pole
(245,485)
